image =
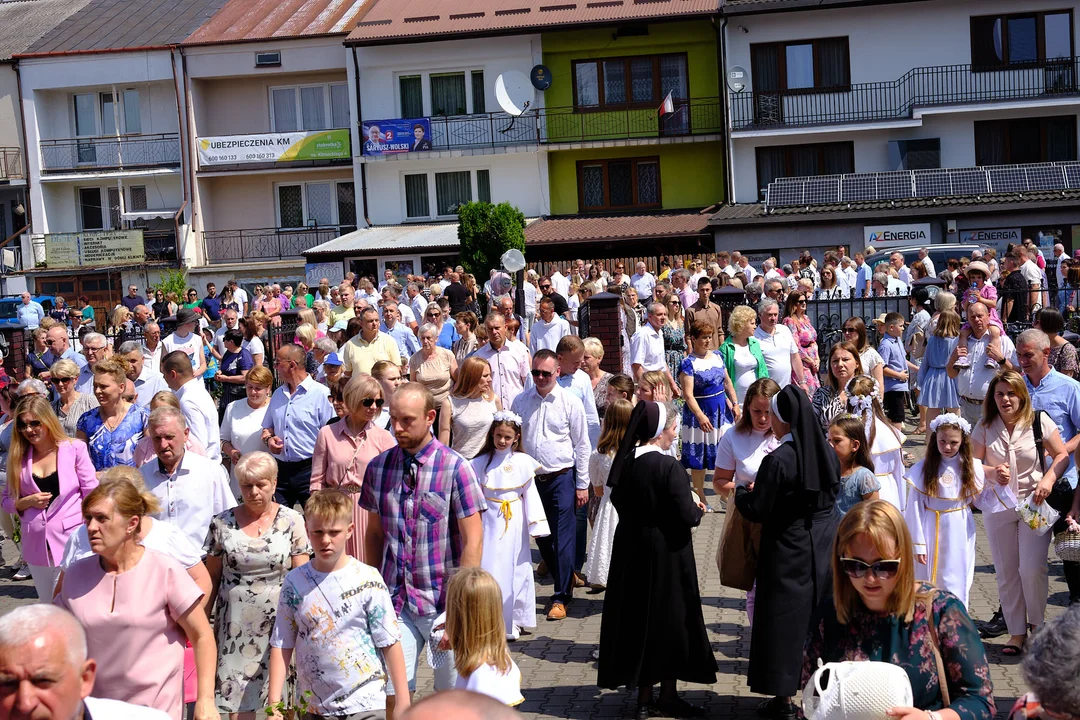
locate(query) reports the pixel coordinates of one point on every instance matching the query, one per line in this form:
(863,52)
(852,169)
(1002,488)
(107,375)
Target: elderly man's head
(25,298)
(95,348)
(1052,663)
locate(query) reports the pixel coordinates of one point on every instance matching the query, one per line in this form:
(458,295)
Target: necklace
(262,522)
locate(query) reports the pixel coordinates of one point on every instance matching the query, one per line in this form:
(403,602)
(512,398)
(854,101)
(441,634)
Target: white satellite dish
(514,92)
(513,260)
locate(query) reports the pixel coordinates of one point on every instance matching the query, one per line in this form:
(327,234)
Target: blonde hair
(616,420)
(474,622)
(164,398)
(115,367)
(944,301)
(64,368)
(948,324)
(260,375)
(360,386)
(740,317)
(885,526)
(1025,414)
(256,465)
(306,334)
(594,347)
(307,317)
(41,410)
(656,378)
(330,504)
(129,500)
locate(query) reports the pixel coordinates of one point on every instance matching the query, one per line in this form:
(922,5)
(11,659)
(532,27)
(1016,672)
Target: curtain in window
(592,186)
(284,100)
(1058,36)
(108,117)
(346,206)
(648,181)
(620,183)
(85,123)
(291,206)
(837,159)
(588,87)
(766,67)
(833,63)
(479,93)
(448,94)
(986,47)
(138,198)
(673,77)
(416,197)
(451,190)
(412,96)
(1060,139)
(320,203)
(990,143)
(313,108)
(1023,46)
(614,82)
(805,161)
(132,119)
(483,185)
(114,207)
(770,165)
(339,106)
(641,80)
(800,66)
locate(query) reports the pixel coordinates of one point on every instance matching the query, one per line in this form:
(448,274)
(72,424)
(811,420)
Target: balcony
(11,164)
(88,154)
(263,244)
(924,87)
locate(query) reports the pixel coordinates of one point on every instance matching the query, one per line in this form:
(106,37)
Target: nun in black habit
(793,500)
(652,630)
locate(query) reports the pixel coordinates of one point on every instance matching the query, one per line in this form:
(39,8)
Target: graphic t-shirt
(191,344)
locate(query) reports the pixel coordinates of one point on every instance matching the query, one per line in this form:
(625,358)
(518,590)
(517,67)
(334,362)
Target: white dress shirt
(152,357)
(929,265)
(147,385)
(102,709)
(418,305)
(200,412)
(647,348)
(580,386)
(554,432)
(974,382)
(546,335)
(561,283)
(644,285)
(778,349)
(197,490)
(509,369)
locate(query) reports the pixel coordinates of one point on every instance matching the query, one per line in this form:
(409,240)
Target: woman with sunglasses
(880,612)
(70,404)
(805,335)
(48,475)
(870,361)
(446,332)
(343,450)
(191,299)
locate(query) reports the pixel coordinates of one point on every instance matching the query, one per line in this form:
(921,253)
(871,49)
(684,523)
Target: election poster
(390,137)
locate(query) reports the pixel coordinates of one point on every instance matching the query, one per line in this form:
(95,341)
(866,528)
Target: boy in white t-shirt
(186,339)
(337,615)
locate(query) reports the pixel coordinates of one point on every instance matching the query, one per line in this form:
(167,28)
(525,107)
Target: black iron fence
(229,246)
(97,153)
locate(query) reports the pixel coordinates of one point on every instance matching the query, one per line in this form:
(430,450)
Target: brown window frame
(1006,122)
(1040,39)
(602,105)
(815,43)
(607,206)
(787,149)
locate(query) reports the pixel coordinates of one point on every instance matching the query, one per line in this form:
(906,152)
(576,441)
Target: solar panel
(785,192)
(823,190)
(1045,176)
(1072,175)
(894,185)
(1008,179)
(967,181)
(932,183)
(858,186)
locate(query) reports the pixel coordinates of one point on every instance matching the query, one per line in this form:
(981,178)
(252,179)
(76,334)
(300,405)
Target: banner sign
(886,235)
(997,238)
(275,147)
(94,248)
(389,137)
(333,271)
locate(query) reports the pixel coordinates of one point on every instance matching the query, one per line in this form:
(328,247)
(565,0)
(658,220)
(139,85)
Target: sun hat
(977,266)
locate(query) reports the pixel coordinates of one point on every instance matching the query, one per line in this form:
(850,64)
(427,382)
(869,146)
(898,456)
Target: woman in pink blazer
(48,475)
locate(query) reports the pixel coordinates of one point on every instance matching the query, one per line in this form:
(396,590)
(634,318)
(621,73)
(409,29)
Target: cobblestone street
(558,671)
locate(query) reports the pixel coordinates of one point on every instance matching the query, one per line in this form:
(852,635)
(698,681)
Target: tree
(485,232)
(173,281)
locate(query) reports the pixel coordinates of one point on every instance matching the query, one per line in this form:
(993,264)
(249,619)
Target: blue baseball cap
(332,359)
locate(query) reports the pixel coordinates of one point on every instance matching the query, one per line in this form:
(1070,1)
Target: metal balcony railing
(110,153)
(11,163)
(228,246)
(921,87)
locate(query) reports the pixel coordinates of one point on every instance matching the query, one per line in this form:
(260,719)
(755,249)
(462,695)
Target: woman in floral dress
(249,549)
(674,338)
(803,330)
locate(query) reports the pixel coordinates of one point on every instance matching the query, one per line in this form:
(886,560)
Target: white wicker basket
(1067,546)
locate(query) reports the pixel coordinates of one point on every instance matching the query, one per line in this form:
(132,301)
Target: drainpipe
(26,154)
(360,114)
(721,59)
(181,126)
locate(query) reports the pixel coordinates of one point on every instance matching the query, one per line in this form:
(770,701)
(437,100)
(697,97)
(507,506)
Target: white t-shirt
(1031,273)
(647,348)
(254,346)
(163,537)
(745,372)
(242,426)
(778,349)
(871,358)
(103,709)
(240,295)
(546,336)
(191,345)
(743,453)
(487,680)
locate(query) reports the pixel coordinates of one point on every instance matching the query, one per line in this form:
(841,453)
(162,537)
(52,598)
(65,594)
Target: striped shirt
(419,518)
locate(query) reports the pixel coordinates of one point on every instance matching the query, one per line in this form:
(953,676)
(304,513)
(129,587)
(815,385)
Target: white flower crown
(507,416)
(875,392)
(950,419)
(862,403)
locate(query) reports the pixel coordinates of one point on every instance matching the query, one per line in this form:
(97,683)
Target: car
(939,254)
(9,309)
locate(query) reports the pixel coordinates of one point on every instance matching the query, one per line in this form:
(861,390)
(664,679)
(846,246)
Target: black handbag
(1061,497)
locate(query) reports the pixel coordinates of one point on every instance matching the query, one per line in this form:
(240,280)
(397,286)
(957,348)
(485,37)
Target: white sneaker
(991,363)
(22,572)
(963,362)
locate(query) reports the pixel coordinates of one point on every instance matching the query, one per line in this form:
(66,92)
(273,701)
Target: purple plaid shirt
(420,526)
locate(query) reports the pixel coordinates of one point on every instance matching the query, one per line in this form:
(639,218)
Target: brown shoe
(557,611)
(579,580)
(541,569)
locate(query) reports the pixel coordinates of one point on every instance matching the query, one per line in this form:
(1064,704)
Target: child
(885,443)
(336,613)
(896,370)
(597,562)
(474,629)
(941,489)
(981,291)
(514,513)
(937,391)
(857,481)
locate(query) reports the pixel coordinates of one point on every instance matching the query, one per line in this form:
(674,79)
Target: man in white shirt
(146,380)
(151,345)
(778,346)
(770,271)
(417,302)
(555,434)
(1060,274)
(849,275)
(643,281)
(723,259)
(230,320)
(924,256)
(388,277)
(1031,271)
(902,270)
(509,361)
(95,348)
(560,282)
(973,381)
(569,353)
(647,345)
(746,268)
(192,489)
(188,341)
(200,412)
(548,329)
(30,312)
(241,297)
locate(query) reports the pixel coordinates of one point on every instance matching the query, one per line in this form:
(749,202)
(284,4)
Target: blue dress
(937,389)
(113,447)
(852,488)
(698,447)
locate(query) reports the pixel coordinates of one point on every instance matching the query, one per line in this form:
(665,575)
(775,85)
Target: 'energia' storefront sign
(94,248)
(274,147)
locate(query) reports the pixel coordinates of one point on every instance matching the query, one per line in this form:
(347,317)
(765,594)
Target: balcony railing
(921,87)
(110,153)
(11,164)
(230,246)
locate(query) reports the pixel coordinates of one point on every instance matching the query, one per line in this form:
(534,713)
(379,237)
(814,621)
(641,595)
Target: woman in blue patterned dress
(674,336)
(112,430)
(709,406)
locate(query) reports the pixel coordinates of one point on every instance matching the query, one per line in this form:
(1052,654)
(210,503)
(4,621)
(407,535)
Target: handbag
(737,554)
(1061,496)
(855,691)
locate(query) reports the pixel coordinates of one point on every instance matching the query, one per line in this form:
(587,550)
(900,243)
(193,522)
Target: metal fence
(227,246)
(158,149)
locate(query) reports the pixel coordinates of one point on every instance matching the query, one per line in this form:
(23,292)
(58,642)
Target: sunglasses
(368,402)
(32,425)
(545,287)
(800,302)
(542,374)
(882,569)
(850,330)
(62,381)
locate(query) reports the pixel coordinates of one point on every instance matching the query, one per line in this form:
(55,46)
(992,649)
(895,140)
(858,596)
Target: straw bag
(737,554)
(1067,543)
(855,691)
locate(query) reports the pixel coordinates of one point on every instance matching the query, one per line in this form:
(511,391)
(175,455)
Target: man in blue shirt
(406,340)
(211,305)
(56,339)
(30,312)
(863,275)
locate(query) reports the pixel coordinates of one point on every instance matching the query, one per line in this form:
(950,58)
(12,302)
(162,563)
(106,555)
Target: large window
(1023,39)
(643,80)
(619,184)
(444,192)
(99,207)
(309,107)
(315,204)
(803,161)
(449,93)
(1025,140)
(822,64)
(97,114)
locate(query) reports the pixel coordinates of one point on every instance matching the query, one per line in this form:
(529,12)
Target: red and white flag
(667,107)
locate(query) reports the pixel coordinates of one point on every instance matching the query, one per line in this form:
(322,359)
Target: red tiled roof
(583,228)
(391,21)
(248,20)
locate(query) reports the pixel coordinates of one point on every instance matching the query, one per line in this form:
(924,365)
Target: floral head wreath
(875,391)
(862,406)
(950,419)
(507,416)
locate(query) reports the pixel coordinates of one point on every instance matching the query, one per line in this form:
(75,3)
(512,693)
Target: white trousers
(1021,569)
(44,581)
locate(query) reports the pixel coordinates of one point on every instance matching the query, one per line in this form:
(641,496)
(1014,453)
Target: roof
(24,21)
(103,25)
(251,20)
(390,237)
(390,21)
(755,213)
(750,7)
(584,228)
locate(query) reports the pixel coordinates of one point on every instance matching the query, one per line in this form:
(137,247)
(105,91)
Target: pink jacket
(44,532)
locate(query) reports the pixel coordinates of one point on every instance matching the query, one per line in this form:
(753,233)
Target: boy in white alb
(336,614)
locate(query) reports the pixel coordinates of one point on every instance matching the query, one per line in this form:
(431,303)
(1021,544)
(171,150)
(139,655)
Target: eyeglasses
(368,402)
(848,331)
(882,569)
(545,287)
(32,425)
(542,374)
(87,348)
(61,380)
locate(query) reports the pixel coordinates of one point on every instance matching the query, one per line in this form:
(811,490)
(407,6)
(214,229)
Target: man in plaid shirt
(424,504)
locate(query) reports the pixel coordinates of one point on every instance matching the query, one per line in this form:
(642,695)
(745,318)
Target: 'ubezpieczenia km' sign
(94,248)
(274,147)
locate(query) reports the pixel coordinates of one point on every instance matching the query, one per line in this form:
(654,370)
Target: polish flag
(667,107)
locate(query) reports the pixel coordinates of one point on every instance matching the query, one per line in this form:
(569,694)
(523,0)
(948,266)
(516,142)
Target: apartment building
(958,124)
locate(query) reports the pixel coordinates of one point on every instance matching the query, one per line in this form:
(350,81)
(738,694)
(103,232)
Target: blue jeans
(415,631)
(559,497)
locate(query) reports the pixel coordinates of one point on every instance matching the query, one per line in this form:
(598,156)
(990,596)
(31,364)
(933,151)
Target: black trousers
(293,483)
(1072,579)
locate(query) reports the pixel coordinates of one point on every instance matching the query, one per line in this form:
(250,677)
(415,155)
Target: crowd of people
(242,538)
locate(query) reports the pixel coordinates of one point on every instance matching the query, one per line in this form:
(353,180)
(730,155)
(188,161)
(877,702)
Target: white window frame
(98,125)
(328,108)
(432,198)
(303,184)
(425,87)
(106,213)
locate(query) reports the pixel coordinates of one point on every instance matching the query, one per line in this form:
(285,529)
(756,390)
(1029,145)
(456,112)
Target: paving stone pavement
(559,673)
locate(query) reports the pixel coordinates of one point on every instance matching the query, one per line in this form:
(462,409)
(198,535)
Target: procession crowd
(237,538)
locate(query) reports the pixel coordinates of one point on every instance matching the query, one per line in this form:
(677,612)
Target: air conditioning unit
(268,59)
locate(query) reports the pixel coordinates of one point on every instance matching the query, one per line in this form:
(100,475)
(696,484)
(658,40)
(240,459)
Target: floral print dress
(674,347)
(109,448)
(251,576)
(805,334)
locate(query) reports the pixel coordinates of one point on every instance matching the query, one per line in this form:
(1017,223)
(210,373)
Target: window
(416,197)
(96,115)
(319,204)
(1023,39)
(822,64)
(1025,140)
(483,185)
(444,192)
(93,216)
(479,93)
(619,184)
(448,94)
(915,154)
(137,193)
(803,161)
(451,190)
(99,207)
(309,107)
(412,96)
(132,117)
(643,80)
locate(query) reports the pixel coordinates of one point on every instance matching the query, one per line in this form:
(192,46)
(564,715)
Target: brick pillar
(604,325)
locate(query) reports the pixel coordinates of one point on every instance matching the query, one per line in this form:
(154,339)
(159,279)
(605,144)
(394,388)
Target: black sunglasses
(32,425)
(882,569)
(850,330)
(368,402)
(545,287)
(542,374)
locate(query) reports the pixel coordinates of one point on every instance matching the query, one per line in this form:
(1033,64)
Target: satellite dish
(513,260)
(541,77)
(737,78)
(514,92)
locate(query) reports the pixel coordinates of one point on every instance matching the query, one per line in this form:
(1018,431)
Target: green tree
(173,281)
(485,232)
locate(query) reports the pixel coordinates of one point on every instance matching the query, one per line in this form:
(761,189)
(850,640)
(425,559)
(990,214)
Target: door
(765,73)
(86,126)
